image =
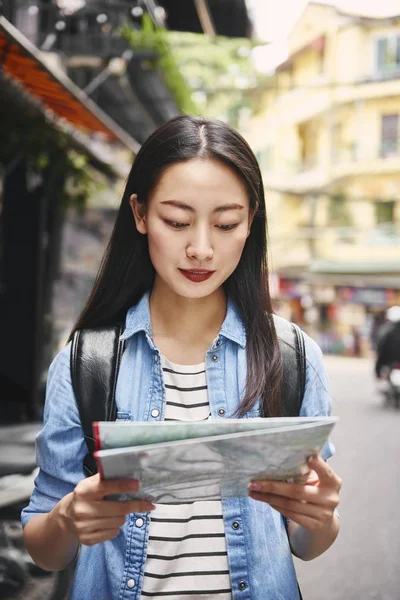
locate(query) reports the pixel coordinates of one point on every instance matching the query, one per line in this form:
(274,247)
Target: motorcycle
(19,576)
(391,388)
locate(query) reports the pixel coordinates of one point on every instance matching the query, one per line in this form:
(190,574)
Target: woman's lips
(196,275)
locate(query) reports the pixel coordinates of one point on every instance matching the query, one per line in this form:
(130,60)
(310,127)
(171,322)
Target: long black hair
(126,271)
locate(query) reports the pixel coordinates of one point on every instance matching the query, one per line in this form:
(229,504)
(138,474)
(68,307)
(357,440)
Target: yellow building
(328,141)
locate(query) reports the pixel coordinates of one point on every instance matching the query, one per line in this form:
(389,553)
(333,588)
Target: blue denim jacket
(259,555)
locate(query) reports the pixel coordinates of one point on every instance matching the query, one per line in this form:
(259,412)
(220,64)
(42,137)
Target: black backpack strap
(95,359)
(293,350)
(292,345)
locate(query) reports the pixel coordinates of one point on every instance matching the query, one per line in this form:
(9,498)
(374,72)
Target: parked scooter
(393,392)
(19,576)
(390,388)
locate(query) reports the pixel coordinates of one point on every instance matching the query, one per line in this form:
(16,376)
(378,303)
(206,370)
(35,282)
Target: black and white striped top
(186,554)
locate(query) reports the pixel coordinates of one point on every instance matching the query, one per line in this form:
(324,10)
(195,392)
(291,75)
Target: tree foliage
(220,72)
(215,77)
(158,41)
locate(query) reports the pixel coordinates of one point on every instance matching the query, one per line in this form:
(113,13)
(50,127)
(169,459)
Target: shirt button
(218,343)
(156,358)
(214,357)
(155,412)
(235,525)
(221,412)
(242,586)
(139,522)
(132,583)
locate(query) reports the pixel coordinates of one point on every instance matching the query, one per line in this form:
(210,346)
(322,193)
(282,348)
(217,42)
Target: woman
(186,267)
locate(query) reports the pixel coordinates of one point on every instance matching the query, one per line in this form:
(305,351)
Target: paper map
(208,460)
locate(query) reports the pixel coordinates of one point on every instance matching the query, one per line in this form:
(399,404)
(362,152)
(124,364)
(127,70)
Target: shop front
(352,305)
(342,312)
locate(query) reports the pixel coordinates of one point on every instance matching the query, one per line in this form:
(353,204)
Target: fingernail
(134,484)
(150,506)
(312,459)
(255,486)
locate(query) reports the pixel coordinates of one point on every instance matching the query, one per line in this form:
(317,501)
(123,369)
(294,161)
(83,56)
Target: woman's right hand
(92,519)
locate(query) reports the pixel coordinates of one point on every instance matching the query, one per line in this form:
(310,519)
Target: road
(364,562)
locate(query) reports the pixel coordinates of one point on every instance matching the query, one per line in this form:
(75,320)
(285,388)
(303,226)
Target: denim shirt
(259,555)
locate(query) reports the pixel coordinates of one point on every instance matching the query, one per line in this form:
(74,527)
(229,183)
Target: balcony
(361,242)
(366,162)
(301,104)
(93,30)
(372,254)
(312,176)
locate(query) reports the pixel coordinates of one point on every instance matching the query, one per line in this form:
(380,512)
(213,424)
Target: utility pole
(205,18)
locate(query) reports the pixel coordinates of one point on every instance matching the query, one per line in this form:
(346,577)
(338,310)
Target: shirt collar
(138,319)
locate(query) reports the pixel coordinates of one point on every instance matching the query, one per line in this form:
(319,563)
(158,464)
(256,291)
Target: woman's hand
(91,519)
(311,505)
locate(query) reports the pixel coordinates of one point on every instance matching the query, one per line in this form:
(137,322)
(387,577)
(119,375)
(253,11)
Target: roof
(346,16)
(60,97)
(318,44)
(364,14)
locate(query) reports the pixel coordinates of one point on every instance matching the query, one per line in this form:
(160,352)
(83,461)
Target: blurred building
(328,141)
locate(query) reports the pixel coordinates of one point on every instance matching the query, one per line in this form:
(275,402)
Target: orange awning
(22,61)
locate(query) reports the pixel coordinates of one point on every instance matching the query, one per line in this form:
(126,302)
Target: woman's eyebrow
(228,207)
(178,204)
(219,209)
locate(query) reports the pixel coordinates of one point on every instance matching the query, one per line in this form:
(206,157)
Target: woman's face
(197,222)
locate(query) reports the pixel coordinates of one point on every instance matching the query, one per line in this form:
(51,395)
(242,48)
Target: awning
(385,274)
(61,98)
(356,273)
(356,267)
(318,44)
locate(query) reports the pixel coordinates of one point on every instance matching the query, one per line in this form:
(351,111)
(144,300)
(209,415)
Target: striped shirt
(186,554)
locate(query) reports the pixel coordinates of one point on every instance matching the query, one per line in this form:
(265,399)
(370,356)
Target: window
(337,142)
(387,54)
(384,212)
(308,146)
(389,135)
(338,211)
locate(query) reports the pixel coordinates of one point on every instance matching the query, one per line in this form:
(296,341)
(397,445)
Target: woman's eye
(227,227)
(176,224)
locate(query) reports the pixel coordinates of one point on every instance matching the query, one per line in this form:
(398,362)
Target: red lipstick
(196,275)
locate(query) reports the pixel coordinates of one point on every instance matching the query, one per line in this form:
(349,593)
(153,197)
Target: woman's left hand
(312,504)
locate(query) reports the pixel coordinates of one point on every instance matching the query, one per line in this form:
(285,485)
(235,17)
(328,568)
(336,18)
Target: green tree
(220,73)
(214,77)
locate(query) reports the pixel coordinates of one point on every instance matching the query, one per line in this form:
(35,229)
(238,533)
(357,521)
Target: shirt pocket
(123,415)
(254,413)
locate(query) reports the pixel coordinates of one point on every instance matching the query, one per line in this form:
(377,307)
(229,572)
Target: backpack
(96,356)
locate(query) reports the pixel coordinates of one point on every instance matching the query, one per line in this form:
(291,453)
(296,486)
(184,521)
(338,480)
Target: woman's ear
(138,214)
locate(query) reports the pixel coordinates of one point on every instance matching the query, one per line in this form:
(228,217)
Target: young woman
(186,267)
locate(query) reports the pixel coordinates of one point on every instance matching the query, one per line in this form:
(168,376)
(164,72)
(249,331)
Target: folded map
(184,462)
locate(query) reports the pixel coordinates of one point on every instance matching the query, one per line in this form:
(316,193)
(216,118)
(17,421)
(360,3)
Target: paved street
(364,563)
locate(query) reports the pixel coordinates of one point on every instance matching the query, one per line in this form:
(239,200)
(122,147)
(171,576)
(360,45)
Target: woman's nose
(200,246)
